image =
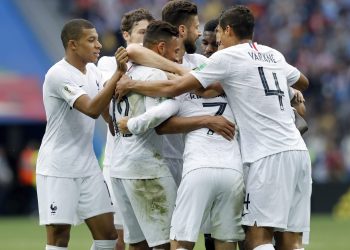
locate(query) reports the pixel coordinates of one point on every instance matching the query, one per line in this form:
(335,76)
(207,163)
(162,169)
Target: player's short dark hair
(178,12)
(211,25)
(240,19)
(158,31)
(131,17)
(73,30)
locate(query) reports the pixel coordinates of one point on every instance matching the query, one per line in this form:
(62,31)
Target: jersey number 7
(222,107)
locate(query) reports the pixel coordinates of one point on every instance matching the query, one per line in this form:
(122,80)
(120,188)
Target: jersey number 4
(222,107)
(269,91)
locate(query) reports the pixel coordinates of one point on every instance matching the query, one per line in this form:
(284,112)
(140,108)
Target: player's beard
(190,47)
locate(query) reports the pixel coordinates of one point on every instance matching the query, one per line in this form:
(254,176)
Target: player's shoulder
(145,72)
(59,70)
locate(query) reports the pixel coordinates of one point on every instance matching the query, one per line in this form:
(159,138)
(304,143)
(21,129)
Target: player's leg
(288,240)
(58,200)
(258,236)
(182,245)
(133,234)
(193,204)
(153,202)
(298,226)
(118,222)
(209,242)
(96,208)
(226,210)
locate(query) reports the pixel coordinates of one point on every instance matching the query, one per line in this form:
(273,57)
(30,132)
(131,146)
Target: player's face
(138,32)
(218,39)
(193,33)
(209,45)
(87,47)
(172,49)
(221,37)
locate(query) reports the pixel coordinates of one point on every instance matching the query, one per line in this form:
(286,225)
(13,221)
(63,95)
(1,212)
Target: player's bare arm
(163,88)
(147,57)
(298,102)
(218,124)
(211,91)
(94,107)
(302,84)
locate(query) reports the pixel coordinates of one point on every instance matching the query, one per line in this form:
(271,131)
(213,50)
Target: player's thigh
(270,187)
(153,202)
(132,231)
(118,221)
(94,197)
(193,204)
(58,199)
(226,211)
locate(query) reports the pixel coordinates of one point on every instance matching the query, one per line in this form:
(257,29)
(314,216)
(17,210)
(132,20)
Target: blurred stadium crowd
(312,34)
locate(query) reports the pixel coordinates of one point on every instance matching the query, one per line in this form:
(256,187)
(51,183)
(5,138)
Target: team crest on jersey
(200,67)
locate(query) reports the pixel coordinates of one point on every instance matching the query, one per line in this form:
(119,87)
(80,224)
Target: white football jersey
(255,79)
(138,156)
(203,147)
(67,148)
(174,143)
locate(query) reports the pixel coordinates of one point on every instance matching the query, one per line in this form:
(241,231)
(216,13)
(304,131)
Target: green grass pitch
(25,233)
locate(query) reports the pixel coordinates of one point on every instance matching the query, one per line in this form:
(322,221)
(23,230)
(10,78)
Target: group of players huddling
(196,144)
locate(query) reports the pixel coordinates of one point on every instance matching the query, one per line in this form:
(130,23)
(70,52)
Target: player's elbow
(302,84)
(133,49)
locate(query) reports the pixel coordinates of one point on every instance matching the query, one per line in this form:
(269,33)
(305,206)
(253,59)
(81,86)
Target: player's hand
(298,96)
(121,56)
(122,87)
(123,125)
(111,127)
(172,76)
(221,126)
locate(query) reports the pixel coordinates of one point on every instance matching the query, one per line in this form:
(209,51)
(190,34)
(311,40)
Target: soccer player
(70,184)
(133,27)
(209,44)
(143,185)
(278,169)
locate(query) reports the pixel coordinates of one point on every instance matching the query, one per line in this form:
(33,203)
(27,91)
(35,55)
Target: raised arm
(94,107)
(147,57)
(164,88)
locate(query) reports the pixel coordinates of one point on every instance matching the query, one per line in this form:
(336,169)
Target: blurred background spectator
(314,36)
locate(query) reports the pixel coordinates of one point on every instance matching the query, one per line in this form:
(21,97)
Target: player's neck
(77,63)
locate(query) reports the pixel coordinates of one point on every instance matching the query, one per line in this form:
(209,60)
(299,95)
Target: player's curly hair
(130,18)
(73,30)
(240,19)
(158,31)
(178,12)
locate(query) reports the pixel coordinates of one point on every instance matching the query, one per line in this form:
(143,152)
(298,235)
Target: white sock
(300,249)
(103,245)
(49,247)
(181,249)
(265,247)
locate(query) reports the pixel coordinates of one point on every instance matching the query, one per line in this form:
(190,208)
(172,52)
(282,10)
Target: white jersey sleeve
(153,117)
(63,87)
(292,73)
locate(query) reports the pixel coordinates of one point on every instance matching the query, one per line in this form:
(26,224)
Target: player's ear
(161,48)
(182,30)
(72,44)
(126,35)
